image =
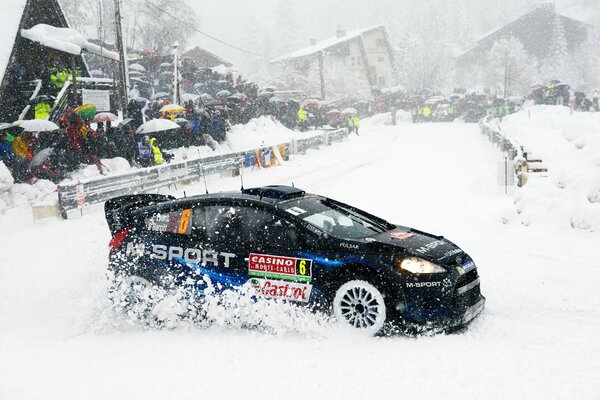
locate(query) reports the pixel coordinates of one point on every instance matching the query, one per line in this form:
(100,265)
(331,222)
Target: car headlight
(417,265)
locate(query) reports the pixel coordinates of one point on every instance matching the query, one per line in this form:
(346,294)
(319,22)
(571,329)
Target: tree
(510,70)
(159,27)
(424,64)
(557,64)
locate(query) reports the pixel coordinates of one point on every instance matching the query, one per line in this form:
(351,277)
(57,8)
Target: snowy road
(538,337)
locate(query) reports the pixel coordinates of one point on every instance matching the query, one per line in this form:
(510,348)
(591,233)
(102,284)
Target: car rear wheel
(359,304)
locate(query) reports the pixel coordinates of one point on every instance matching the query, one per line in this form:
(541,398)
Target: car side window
(171,222)
(251,228)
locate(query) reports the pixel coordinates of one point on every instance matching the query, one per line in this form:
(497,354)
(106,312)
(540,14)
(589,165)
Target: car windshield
(338,221)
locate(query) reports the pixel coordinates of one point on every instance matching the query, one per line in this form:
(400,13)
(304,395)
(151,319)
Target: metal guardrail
(524,163)
(96,190)
(496,136)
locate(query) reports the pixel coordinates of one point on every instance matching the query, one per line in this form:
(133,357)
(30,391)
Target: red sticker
(401,235)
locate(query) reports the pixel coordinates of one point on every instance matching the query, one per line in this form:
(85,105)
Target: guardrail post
(61,204)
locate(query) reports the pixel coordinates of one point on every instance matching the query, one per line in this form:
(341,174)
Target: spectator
(144,152)
(157,155)
(6,151)
(135,112)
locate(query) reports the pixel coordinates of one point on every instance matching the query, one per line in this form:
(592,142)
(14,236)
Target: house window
(380,59)
(382,81)
(352,58)
(380,43)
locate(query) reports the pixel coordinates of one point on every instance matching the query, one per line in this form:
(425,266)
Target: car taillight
(116,241)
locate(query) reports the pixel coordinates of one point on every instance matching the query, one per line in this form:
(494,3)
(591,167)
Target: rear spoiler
(119,209)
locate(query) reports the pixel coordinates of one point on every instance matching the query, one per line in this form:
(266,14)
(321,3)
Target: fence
(524,163)
(96,190)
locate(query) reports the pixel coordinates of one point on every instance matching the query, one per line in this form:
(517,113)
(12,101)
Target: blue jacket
(195,124)
(144,151)
(6,151)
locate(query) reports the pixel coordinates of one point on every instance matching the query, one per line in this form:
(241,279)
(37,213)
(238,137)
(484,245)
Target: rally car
(301,248)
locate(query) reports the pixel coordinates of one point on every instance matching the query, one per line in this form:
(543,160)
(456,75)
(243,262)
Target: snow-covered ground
(569,145)
(537,338)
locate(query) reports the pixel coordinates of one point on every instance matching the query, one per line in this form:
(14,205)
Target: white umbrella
(6,125)
(137,67)
(157,125)
(349,111)
(37,125)
(105,117)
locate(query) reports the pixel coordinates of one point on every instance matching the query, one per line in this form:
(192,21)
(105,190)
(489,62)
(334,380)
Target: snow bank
(6,182)
(569,145)
(386,119)
(261,131)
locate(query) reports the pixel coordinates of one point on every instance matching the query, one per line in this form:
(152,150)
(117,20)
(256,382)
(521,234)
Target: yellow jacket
(158,158)
(302,115)
(42,110)
(21,149)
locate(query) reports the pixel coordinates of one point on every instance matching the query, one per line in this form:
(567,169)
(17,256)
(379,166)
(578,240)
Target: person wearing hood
(144,152)
(157,156)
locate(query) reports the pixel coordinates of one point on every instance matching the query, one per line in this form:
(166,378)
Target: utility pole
(175,72)
(321,75)
(100,24)
(122,58)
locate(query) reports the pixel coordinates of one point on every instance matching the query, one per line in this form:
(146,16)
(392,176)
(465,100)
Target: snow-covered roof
(65,39)
(10,18)
(325,44)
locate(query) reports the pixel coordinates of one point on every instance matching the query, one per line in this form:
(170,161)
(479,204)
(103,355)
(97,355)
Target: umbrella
(349,111)
(137,67)
(275,100)
(6,125)
(266,95)
(224,93)
(160,95)
(207,99)
(41,157)
(312,103)
(237,96)
(135,73)
(86,112)
(269,89)
(105,117)
(37,125)
(166,73)
(125,122)
(157,125)
(182,121)
(334,113)
(165,65)
(172,108)
(189,96)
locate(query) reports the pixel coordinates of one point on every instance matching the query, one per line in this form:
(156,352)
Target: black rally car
(298,247)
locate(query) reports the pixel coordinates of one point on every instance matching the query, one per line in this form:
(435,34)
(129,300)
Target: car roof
(272,195)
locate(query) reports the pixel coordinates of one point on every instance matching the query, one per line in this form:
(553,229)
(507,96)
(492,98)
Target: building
(205,59)
(354,61)
(535,30)
(25,63)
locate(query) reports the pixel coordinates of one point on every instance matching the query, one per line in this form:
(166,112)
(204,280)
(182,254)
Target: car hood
(416,243)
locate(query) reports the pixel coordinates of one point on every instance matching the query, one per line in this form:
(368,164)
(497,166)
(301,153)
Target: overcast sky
(254,25)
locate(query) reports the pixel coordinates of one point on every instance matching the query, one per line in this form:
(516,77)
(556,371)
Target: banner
(99,98)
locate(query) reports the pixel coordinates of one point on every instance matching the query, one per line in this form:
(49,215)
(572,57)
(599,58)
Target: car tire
(359,304)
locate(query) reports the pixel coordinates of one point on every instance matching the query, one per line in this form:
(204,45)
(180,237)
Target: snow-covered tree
(509,70)
(424,65)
